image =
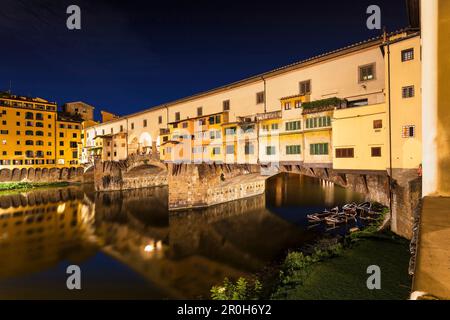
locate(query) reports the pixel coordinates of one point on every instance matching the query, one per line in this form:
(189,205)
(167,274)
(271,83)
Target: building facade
(34,134)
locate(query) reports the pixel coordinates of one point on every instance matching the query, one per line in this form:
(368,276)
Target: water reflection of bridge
(182,254)
(199,247)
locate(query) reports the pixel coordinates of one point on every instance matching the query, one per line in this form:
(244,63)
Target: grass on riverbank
(24,186)
(344,276)
(334,270)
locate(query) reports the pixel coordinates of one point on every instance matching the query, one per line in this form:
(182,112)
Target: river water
(127,245)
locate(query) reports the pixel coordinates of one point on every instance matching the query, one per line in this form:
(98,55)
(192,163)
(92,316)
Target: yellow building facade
(31,136)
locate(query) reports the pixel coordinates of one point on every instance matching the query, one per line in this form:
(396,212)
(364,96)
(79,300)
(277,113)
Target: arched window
(29,154)
(39,143)
(29,133)
(29,142)
(39,133)
(39,124)
(29,116)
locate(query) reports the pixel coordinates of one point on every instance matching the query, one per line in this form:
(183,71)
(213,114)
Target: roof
(369,43)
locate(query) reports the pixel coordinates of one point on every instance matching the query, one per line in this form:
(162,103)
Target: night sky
(131,55)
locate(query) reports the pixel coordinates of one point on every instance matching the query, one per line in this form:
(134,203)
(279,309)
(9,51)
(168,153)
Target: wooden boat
(320,217)
(350,209)
(335,219)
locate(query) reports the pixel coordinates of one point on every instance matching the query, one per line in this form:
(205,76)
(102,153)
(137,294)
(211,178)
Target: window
(345,153)
(74,135)
(144,124)
(29,133)
(376,151)
(377,124)
(318,149)
(121,129)
(274,126)
(29,154)
(73,144)
(408,131)
(407,55)
(39,116)
(39,143)
(40,133)
(230,149)
(5,131)
(295,149)
(293,125)
(218,119)
(226,105)
(408,92)
(132,126)
(358,103)
(230,131)
(177,116)
(184,125)
(112,130)
(3,122)
(298,104)
(160,119)
(367,72)
(18,153)
(61,143)
(199,111)
(270,150)
(318,122)
(61,134)
(216,150)
(249,148)
(287,106)
(29,116)
(260,97)
(305,87)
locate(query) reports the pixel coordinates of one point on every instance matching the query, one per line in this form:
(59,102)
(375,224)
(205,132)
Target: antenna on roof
(10,87)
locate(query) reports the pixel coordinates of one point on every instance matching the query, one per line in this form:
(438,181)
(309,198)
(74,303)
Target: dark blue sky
(132,55)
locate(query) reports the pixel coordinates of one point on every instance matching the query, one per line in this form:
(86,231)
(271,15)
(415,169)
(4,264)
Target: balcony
(268,116)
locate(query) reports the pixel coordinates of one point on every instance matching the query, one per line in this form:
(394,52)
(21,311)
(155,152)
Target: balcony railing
(268,115)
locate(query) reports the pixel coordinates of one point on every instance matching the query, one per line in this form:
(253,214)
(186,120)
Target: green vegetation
(335,269)
(243,289)
(330,102)
(11,186)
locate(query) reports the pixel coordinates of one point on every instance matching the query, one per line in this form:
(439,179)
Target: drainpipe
(390,124)
(265,94)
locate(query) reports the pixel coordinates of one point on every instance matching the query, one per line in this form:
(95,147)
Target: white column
(429,20)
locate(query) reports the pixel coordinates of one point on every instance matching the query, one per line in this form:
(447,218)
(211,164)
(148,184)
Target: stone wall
(202,185)
(122,175)
(46,175)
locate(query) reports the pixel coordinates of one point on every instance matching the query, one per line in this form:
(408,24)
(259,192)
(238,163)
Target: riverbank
(6,187)
(332,269)
(341,274)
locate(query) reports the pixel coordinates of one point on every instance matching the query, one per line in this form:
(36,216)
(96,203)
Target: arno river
(127,245)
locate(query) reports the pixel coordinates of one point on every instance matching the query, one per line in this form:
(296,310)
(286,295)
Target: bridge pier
(202,185)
